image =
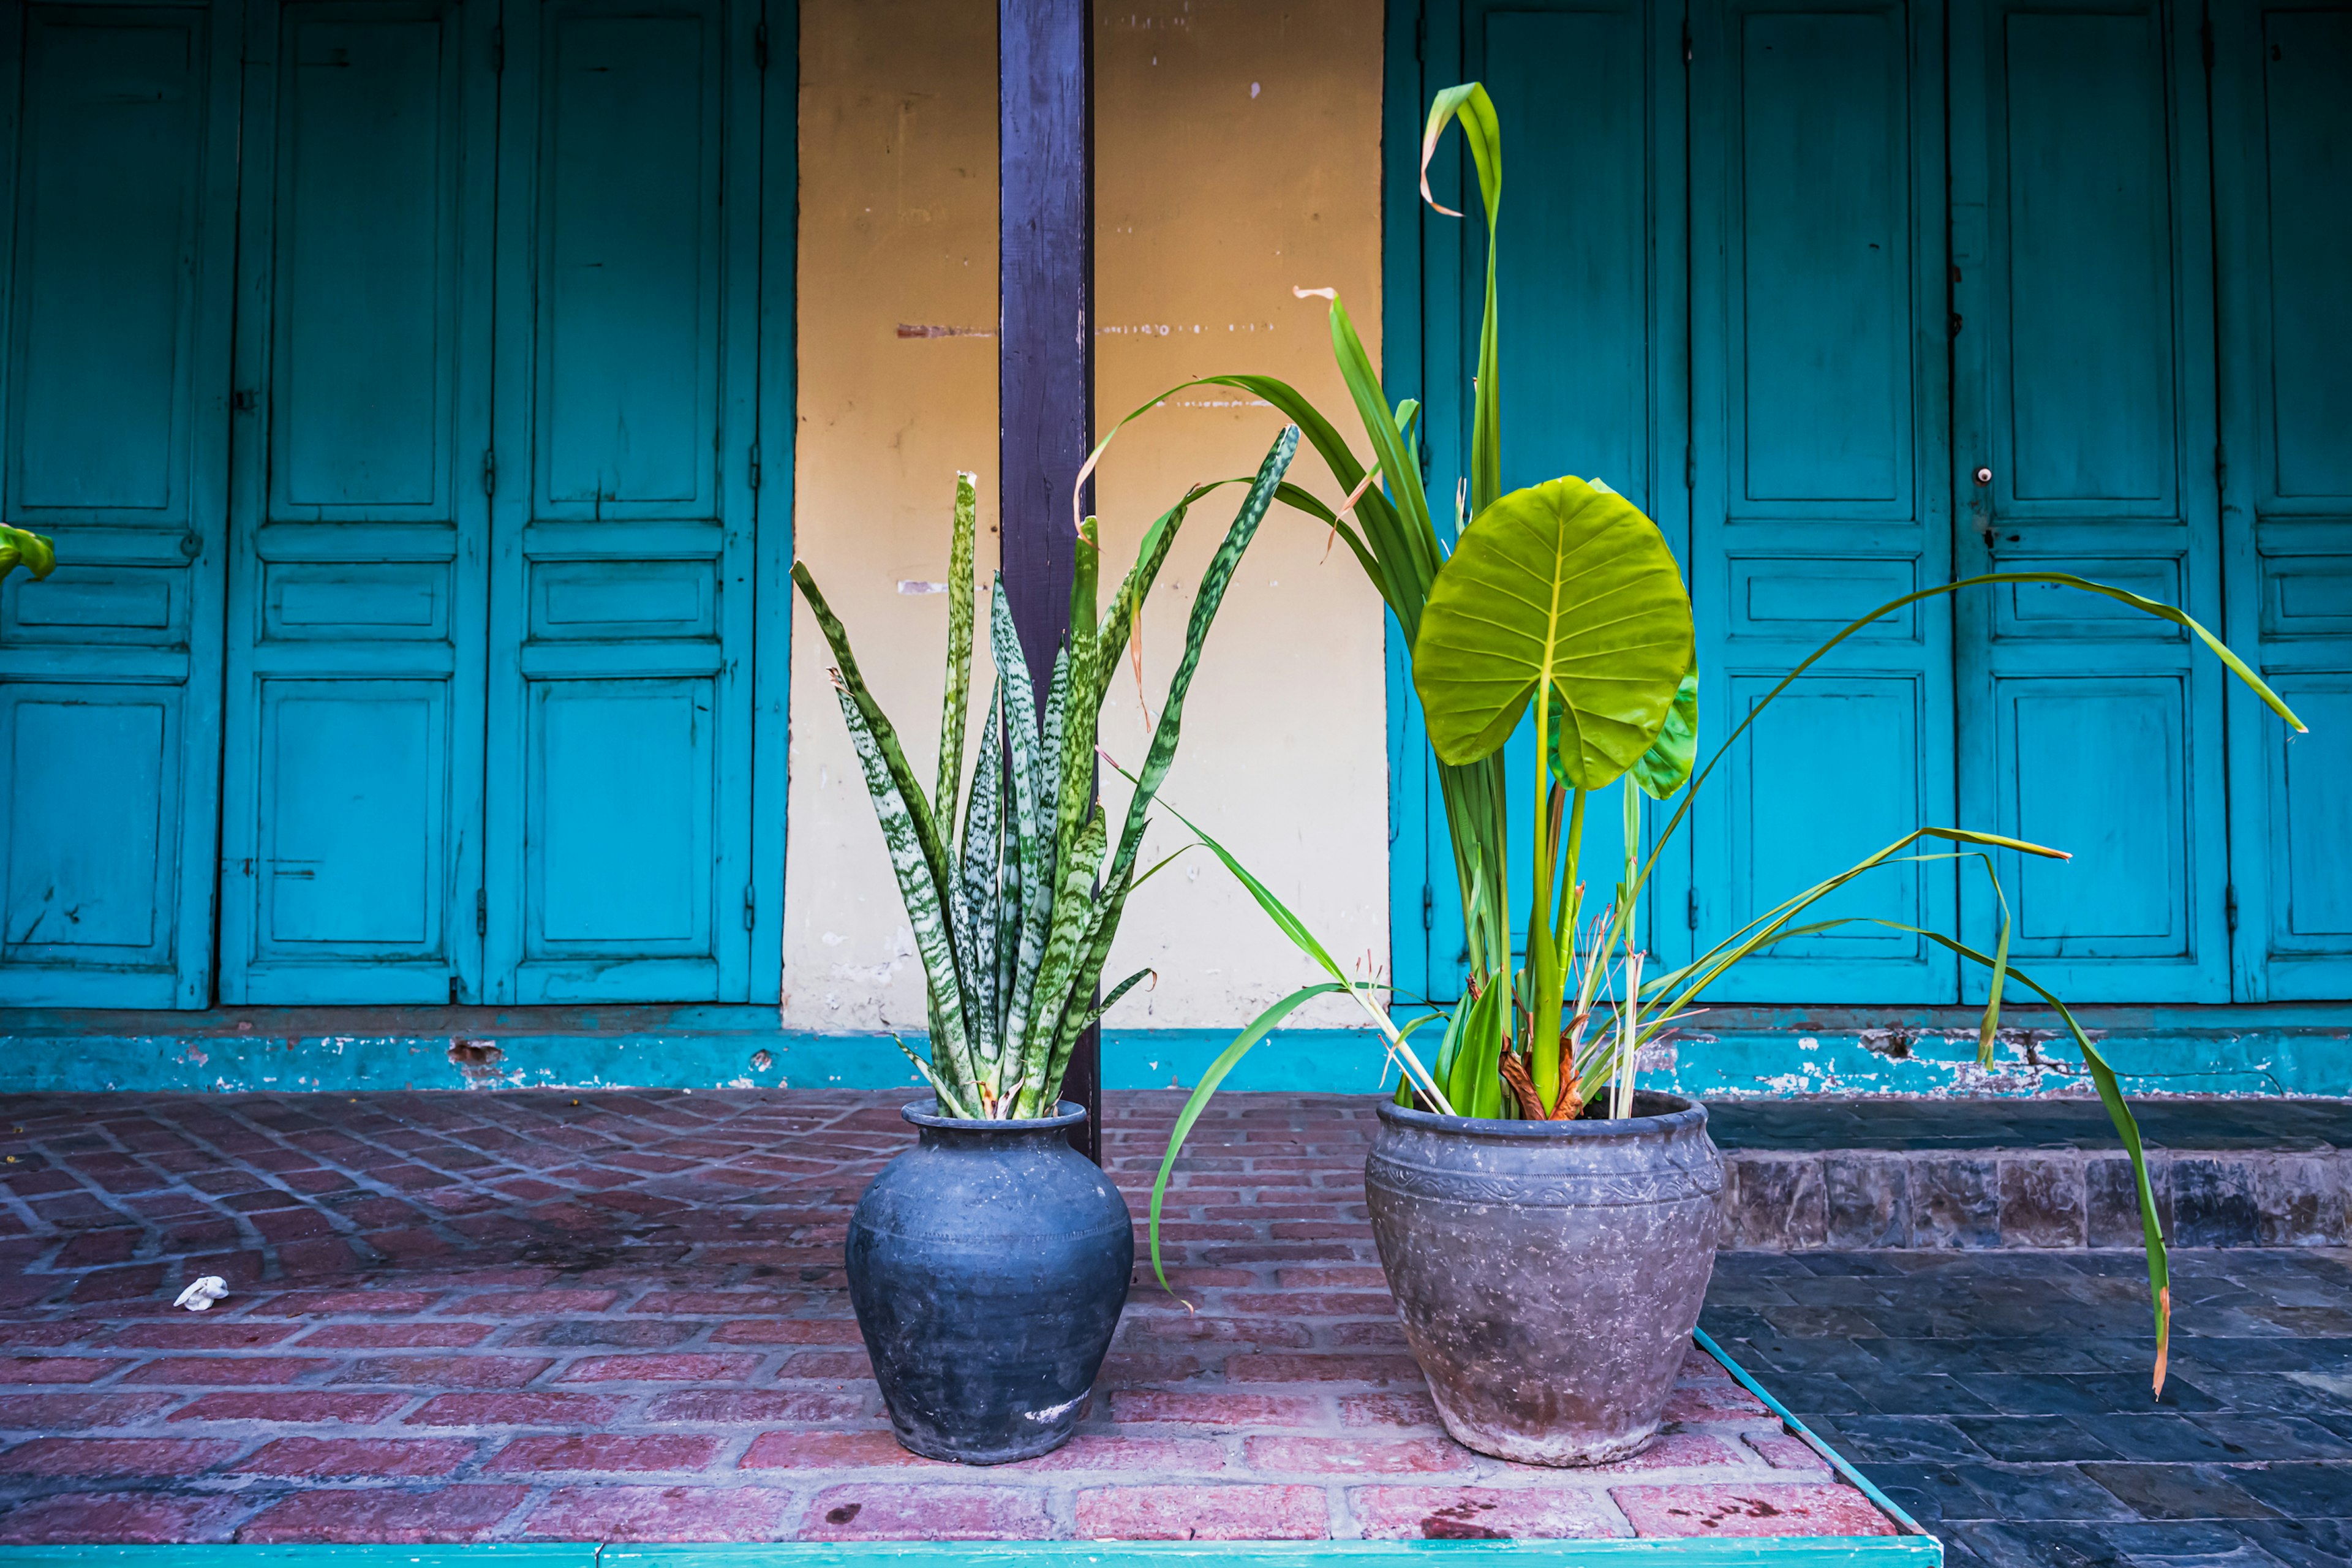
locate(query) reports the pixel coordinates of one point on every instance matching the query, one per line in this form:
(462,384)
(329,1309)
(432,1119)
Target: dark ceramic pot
(988,1265)
(1549,1273)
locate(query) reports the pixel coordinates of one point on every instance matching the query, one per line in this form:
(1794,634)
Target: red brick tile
(1354,1455)
(788,1331)
(25,1369)
(116,1455)
(430,1372)
(441,1514)
(661,1514)
(1786,1451)
(1204,1512)
(1783,1508)
(529,1409)
(717,1303)
(534,1303)
(681,1366)
(1315,1303)
(323,1457)
(431,1335)
(1206,1408)
(44,1336)
(1388,1410)
(829,1366)
(1335,1276)
(1483,1513)
(1193,1327)
(1725,1401)
(826,1451)
(927,1511)
(605,1451)
(67,1412)
(1114,1451)
(206,1333)
(293,1406)
(226,1371)
(1283,1366)
(754,1407)
(1670,1451)
(95,1518)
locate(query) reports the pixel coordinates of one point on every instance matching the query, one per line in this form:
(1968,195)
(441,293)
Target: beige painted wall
(1238,149)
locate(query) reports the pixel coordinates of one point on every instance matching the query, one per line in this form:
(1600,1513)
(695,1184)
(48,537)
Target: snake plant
(1013,918)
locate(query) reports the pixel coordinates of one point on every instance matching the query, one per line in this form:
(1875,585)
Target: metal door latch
(1984,475)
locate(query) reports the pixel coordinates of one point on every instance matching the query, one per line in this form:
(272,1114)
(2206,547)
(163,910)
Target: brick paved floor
(620,1316)
(2002,1399)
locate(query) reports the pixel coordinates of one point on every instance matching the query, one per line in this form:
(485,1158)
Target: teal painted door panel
(1590,297)
(2083,389)
(1817,465)
(2282,169)
(624,550)
(119,234)
(357,604)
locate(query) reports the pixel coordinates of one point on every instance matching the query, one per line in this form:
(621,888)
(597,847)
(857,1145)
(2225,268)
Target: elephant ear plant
(30,550)
(1564,598)
(1014,921)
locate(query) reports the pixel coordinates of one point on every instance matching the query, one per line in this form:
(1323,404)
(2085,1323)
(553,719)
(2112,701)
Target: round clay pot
(987,1265)
(1549,1273)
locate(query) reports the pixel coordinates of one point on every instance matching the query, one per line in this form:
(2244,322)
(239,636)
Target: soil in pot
(987,1267)
(1549,1273)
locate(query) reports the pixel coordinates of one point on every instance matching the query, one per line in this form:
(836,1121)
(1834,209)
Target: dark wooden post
(1046,347)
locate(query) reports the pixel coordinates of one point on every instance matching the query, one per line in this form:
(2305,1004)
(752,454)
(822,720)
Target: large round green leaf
(1565,583)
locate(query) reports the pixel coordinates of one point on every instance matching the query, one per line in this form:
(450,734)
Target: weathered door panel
(352,854)
(1591,280)
(620,715)
(2084,395)
(2282,186)
(1819,363)
(120,236)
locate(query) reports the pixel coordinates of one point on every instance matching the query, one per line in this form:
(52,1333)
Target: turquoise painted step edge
(2298,1051)
(1770,1552)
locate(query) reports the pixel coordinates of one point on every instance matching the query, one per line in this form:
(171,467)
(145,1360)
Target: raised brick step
(1842,1174)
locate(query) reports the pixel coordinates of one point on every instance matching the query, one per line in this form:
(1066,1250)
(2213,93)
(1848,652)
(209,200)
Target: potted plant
(1547,1228)
(988,1265)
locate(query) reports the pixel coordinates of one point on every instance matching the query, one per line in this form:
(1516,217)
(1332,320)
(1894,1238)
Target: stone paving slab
(2003,1399)
(621,1316)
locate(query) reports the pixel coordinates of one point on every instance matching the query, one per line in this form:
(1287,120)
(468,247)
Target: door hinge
(1428,908)
(481,912)
(489,473)
(1690,909)
(245,400)
(498,51)
(2205,41)
(2230,905)
(1687,43)
(755,467)
(760,46)
(750,906)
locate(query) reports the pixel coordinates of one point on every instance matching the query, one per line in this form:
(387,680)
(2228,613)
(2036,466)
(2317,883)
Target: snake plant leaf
(1566,584)
(957,698)
(1663,769)
(918,888)
(977,925)
(1026,772)
(32,550)
(1051,995)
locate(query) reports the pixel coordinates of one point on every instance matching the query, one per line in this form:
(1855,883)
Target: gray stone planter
(1548,1274)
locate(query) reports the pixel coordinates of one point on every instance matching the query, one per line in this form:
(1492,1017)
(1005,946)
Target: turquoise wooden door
(490,733)
(1820,486)
(351,847)
(113,439)
(2282,188)
(625,462)
(2084,440)
(1591,278)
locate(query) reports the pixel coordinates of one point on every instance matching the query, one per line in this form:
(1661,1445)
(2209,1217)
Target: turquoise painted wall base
(2298,1051)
